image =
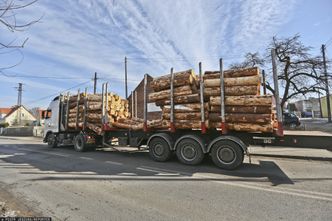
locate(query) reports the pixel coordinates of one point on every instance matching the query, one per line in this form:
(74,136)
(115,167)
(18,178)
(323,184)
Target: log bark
(180,78)
(243,109)
(232,91)
(249,118)
(265,128)
(248,109)
(184,99)
(215,117)
(243,100)
(185,116)
(185,124)
(233,73)
(165,94)
(184,108)
(242,81)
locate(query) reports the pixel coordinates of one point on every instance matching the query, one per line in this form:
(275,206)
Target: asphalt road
(112,185)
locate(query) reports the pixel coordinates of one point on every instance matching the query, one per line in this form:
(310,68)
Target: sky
(76,38)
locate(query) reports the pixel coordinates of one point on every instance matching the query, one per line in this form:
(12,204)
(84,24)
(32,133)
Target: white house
(18,115)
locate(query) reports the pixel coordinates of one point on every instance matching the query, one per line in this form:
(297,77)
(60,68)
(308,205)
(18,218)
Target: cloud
(78,37)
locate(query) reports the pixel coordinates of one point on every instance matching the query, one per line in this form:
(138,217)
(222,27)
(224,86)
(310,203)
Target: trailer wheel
(227,154)
(189,150)
(52,141)
(80,143)
(159,149)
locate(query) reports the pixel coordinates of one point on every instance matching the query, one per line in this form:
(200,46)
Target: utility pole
(326,86)
(19,102)
(126,85)
(95,83)
(280,131)
(264,83)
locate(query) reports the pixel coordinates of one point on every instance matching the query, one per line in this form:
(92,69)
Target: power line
(42,77)
(52,95)
(328,42)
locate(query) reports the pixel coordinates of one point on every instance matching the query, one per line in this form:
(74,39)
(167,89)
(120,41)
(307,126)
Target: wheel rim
(159,149)
(188,152)
(226,155)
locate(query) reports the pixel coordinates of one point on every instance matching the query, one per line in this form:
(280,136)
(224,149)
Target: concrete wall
(324,105)
(36,131)
(18,131)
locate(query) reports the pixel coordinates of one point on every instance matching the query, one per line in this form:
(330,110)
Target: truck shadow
(41,164)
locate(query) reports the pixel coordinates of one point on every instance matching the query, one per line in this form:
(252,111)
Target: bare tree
(8,13)
(299,73)
(250,60)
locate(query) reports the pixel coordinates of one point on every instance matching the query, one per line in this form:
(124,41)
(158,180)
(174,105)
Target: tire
(80,143)
(159,149)
(189,150)
(52,141)
(227,154)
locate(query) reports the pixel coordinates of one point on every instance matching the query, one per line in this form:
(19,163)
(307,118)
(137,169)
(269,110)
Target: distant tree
(299,72)
(250,60)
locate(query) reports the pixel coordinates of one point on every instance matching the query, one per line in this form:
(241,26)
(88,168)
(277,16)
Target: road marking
(288,191)
(114,163)
(86,158)
(44,152)
(159,171)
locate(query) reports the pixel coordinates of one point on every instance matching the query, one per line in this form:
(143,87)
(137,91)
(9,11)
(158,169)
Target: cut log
(243,109)
(94,107)
(243,81)
(97,128)
(249,118)
(267,128)
(180,78)
(184,108)
(185,124)
(192,98)
(165,94)
(248,109)
(185,116)
(243,100)
(213,117)
(233,73)
(232,91)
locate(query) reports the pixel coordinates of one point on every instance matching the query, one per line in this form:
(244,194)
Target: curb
(293,157)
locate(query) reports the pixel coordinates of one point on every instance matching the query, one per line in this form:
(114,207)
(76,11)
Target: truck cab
(52,119)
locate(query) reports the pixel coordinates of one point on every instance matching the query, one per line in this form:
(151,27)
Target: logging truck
(90,120)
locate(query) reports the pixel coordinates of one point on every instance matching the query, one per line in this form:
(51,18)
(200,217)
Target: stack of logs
(245,109)
(85,110)
(187,113)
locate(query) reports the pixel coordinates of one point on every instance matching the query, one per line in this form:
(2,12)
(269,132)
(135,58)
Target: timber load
(86,110)
(187,107)
(245,109)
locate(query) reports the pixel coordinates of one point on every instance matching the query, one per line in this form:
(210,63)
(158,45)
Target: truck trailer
(227,148)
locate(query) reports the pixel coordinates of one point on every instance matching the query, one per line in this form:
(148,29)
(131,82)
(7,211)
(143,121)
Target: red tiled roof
(5,110)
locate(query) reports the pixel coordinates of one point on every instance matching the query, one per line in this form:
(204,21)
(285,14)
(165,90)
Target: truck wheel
(159,149)
(227,154)
(189,150)
(52,141)
(80,143)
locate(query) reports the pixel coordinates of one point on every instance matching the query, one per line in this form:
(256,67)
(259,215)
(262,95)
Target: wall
(324,105)
(18,131)
(152,114)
